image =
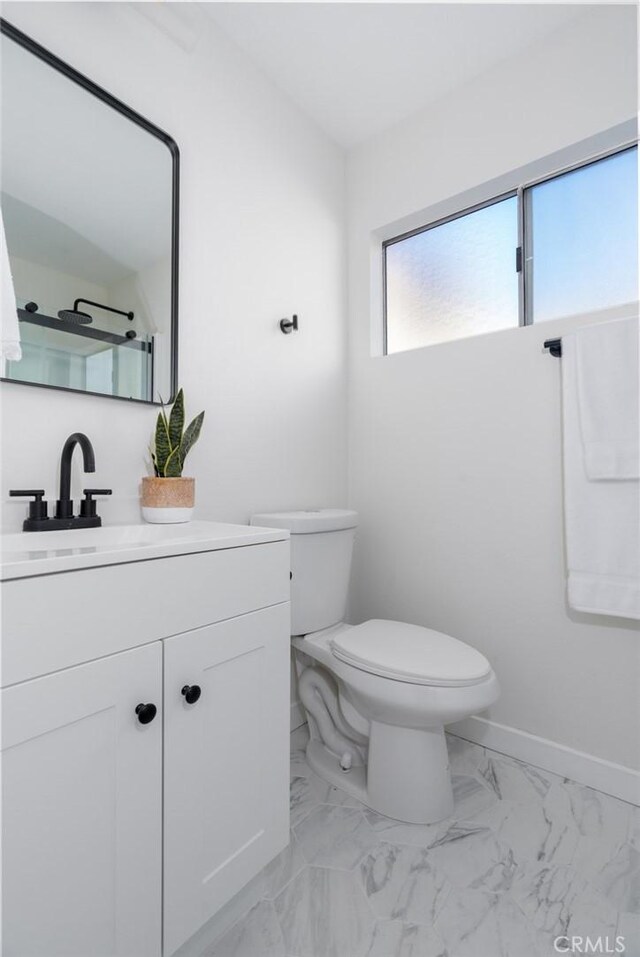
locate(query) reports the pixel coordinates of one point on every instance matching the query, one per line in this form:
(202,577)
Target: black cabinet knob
(191,693)
(146,713)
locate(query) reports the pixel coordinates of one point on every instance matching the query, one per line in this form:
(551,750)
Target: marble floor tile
(599,815)
(525,856)
(401,884)
(477,924)
(619,879)
(397,832)
(592,915)
(601,820)
(593,857)
(470,796)
(323,913)
(629,929)
(603,823)
(309,790)
(302,798)
(335,836)
(513,780)
(257,935)
(391,938)
(557,900)
(464,757)
(470,856)
(545,894)
(542,832)
(559,835)
(634,827)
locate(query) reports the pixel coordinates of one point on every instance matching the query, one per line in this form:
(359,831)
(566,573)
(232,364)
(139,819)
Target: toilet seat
(410,653)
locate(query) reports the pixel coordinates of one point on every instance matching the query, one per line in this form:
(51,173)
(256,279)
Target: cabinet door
(82,812)
(226,808)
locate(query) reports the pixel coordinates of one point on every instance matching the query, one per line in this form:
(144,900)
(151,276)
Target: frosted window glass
(454,280)
(584,239)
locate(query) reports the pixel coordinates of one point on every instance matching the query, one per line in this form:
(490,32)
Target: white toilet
(377,695)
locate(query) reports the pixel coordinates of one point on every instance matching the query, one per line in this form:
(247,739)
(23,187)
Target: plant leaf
(164,413)
(163,446)
(153,459)
(176,420)
(191,436)
(173,465)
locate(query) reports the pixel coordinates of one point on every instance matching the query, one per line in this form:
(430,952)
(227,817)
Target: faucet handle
(37,508)
(88,505)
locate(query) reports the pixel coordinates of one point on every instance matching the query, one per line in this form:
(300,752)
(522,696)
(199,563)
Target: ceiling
(359,68)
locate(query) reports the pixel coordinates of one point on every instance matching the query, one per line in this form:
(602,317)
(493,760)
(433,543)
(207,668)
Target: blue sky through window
(584,233)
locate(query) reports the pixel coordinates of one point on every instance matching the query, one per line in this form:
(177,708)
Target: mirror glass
(87,205)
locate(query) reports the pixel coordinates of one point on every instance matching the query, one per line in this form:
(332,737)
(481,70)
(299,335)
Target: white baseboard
(587,769)
(298,716)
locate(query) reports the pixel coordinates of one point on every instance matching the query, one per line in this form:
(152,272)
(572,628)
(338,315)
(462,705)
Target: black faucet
(64,505)
(38,520)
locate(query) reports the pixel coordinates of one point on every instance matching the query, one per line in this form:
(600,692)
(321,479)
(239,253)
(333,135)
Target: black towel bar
(554,346)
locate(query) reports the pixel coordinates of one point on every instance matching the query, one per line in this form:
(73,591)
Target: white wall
(455,449)
(261,237)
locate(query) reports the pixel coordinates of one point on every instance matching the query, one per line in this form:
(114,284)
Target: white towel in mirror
(9,326)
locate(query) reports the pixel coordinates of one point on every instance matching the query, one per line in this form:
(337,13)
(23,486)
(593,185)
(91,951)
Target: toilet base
(327,766)
(407,777)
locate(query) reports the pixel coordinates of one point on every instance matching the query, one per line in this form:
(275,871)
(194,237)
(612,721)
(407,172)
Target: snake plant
(172,441)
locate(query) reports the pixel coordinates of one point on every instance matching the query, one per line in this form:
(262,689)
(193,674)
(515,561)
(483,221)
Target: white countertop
(24,554)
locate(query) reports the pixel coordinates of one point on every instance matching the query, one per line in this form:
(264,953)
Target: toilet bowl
(382,673)
(377,695)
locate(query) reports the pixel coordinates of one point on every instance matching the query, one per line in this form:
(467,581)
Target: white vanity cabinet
(121,838)
(81,811)
(226,809)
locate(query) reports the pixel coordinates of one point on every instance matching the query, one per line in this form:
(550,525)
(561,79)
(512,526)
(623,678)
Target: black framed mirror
(90,205)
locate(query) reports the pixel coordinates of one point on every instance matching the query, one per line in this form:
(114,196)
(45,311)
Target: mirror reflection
(87,208)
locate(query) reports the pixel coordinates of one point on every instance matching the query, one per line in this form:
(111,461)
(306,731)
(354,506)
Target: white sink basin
(24,554)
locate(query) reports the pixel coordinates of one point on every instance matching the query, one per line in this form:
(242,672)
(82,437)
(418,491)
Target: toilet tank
(321,549)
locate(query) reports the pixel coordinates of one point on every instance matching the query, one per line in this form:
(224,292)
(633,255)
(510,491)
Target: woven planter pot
(167,500)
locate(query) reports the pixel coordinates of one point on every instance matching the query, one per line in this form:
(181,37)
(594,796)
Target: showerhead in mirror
(81,318)
(75,316)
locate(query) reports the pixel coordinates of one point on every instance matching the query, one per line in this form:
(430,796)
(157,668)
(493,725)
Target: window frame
(523,250)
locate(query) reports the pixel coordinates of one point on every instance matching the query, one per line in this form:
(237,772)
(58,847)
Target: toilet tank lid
(307,521)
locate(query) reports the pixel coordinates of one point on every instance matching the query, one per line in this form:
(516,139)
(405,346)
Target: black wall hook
(554,346)
(289,325)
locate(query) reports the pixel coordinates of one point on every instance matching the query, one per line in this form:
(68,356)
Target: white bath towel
(9,327)
(602,516)
(608,398)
